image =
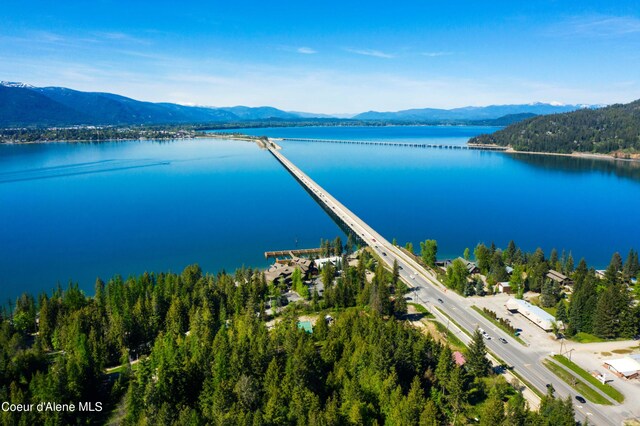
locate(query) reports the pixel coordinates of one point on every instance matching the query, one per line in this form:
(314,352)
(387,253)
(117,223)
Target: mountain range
(22,105)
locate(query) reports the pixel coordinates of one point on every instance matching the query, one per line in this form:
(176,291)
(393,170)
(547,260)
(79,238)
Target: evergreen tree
(493,410)
(605,322)
(466,255)
(516,411)
(429,251)
(631,266)
(477,363)
(568,265)
(561,312)
(510,252)
(611,273)
(483,257)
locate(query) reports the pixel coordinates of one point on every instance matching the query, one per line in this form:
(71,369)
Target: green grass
(586,338)
(497,324)
(579,386)
(453,340)
(551,310)
(607,389)
(453,321)
(421,309)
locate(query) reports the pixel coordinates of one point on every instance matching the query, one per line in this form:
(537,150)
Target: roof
(470,265)
(459,358)
(556,276)
(626,366)
(504,284)
(509,269)
(539,316)
(323,261)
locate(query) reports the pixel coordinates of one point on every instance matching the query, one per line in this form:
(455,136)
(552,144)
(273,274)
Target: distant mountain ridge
(468,113)
(23,105)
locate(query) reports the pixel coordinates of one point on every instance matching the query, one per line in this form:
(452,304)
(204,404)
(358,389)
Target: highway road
(525,361)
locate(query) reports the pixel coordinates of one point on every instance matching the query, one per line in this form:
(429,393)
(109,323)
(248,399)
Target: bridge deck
(402,144)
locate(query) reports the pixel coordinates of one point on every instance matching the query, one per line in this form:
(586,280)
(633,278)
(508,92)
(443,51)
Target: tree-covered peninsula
(612,130)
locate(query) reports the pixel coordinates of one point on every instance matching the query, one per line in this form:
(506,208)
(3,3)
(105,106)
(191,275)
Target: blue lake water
(78,211)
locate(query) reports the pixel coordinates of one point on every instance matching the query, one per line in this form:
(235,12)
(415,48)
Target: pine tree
(429,415)
(493,410)
(568,265)
(553,258)
(510,252)
(631,266)
(477,363)
(516,411)
(561,312)
(605,323)
(611,273)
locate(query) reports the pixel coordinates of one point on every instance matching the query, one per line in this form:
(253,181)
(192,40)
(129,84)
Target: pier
(292,253)
(402,144)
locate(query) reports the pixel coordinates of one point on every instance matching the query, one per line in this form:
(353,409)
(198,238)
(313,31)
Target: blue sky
(329,56)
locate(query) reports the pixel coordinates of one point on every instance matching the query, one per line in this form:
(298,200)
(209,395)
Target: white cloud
(371,52)
(306,50)
(597,26)
(436,54)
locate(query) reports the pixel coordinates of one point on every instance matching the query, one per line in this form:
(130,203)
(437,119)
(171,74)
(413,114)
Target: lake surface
(79,211)
(463,197)
(76,211)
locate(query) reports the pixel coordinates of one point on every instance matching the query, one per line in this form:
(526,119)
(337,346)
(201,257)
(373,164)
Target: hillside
(23,105)
(610,130)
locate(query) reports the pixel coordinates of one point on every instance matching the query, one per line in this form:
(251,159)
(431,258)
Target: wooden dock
(292,253)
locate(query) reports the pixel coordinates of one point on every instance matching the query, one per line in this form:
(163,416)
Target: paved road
(428,291)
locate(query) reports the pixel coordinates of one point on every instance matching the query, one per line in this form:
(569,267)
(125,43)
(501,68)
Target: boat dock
(292,253)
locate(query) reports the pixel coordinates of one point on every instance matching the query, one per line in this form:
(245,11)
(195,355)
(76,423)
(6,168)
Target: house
(334,260)
(459,359)
(472,268)
(600,273)
(279,271)
(284,268)
(536,315)
(504,287)
(626,367)
(559,278)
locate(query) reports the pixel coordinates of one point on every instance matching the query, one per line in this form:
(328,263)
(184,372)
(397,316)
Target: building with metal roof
(536,315)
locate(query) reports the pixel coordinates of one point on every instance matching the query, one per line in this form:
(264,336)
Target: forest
(198,348)
(613,129)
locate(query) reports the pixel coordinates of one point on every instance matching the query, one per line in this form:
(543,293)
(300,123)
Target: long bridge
(402,144)
(455,310)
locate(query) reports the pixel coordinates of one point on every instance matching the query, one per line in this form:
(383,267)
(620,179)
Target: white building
(323,261)
(536,315)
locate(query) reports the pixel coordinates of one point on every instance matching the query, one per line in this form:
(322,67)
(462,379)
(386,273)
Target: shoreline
(584,155)
(250,138)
